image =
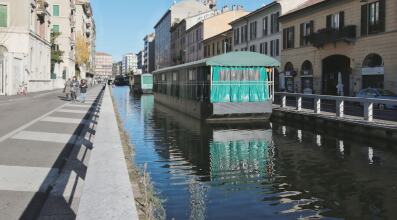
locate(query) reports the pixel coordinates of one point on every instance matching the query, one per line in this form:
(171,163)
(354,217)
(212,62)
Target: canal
(269,171)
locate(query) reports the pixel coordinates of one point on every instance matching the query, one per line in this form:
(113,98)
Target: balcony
(325,36)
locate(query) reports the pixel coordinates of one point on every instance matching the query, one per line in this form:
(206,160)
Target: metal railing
(368,103)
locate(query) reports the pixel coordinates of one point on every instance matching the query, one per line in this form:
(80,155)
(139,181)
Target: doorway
(336,68)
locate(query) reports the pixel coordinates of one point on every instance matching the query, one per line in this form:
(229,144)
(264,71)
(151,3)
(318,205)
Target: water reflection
(272,171)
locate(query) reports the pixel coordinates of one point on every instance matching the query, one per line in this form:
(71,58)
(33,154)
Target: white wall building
(63,21)
(130,63)
(24,46)
(85,27)
(104,64)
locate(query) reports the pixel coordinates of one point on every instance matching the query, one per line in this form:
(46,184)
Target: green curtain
(239,84)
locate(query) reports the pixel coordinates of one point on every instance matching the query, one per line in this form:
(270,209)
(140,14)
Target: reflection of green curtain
(239,84)
(238,161)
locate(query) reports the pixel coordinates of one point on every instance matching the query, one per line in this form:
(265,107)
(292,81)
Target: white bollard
(299,103)
(317,105)
(368,111)
(283,101)
(340,108)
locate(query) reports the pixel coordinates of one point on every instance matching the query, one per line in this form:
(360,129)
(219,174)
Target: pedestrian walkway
(43,162)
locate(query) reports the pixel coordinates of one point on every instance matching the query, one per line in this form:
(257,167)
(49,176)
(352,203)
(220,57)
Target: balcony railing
(325,36)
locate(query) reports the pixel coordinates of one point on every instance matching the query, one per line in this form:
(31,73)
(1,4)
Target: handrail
(338,98)
(368,103)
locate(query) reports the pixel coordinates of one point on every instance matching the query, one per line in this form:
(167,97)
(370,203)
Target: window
(55,28)
(336,21)
(306,29)
(55,10)
(253,28)
(244,33)
(289,38)
(373,17)
(3,15)
(265,26)
(274,26)
(274,48)
(252,48)
(237,36)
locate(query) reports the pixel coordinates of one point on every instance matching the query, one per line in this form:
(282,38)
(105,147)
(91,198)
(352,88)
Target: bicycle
(23,90)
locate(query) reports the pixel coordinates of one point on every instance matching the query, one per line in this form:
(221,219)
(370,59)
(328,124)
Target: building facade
(149,56)
(209,28)
(140,59)
(63,21)
(85,29)
(218,44)
(130,63)
(178,35)
(117,68)
(25,51)
(259,31)
(103,65)
(346,44)
(175,14)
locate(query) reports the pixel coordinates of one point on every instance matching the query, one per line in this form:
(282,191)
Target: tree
(56,54)
(82,50)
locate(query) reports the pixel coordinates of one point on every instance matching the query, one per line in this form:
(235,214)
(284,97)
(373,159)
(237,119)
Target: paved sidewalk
(44,158)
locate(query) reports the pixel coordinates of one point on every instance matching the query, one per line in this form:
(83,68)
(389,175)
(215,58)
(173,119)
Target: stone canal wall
(348,125)
(107,191)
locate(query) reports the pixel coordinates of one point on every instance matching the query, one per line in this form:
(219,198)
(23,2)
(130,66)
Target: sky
(122,24)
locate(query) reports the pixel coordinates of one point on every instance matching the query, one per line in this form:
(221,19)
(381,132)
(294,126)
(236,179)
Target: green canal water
(268,171)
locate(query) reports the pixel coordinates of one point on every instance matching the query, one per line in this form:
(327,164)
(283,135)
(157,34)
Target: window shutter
(265,31)
(329,18)
(382,15)
(341,19)
(311,27)
(277,22)
(293,37)
(277,47)
(364,20)
(284,38)
(266,48)
(272,48)
(3,16)
(301,34)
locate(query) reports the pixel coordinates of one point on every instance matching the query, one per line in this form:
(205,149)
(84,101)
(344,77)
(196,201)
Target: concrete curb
(107,192)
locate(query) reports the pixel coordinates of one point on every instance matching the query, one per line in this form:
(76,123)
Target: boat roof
(232,59)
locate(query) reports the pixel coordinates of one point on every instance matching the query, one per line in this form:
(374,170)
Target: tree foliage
(82,50)
(56,54)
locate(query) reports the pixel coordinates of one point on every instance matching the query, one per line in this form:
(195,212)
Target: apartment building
(63,21)
(209,28)
(117,68)
(178,35)
(25,49)
(130,63)
(85,29)
(176,13)
(140,59)
(103,65)
(259,31)
(149,56)
(218,44)
(347,43)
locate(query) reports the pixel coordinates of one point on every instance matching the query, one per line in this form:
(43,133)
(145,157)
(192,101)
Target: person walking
(74,89)
(83,90)
(67,89)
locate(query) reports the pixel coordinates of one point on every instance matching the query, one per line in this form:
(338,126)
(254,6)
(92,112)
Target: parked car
(378,94)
